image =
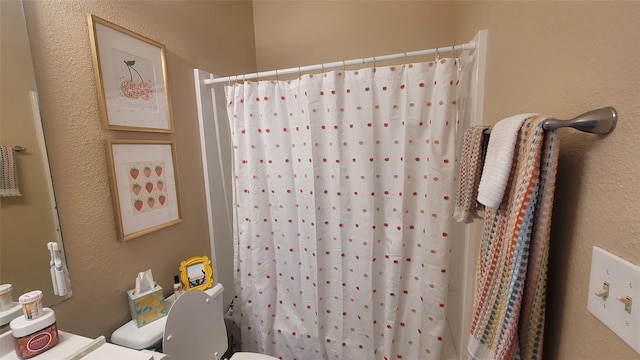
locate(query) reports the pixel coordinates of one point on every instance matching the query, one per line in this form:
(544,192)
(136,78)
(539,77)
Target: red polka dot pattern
(342,209)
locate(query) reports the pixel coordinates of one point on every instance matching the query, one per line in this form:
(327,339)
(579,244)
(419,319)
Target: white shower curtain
(344,187)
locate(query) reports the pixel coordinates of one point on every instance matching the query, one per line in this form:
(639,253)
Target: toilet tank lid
(215,291)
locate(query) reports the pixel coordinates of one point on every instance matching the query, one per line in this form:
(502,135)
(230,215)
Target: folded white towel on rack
(498,160)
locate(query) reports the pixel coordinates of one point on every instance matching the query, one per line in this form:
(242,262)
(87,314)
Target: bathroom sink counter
(70,344)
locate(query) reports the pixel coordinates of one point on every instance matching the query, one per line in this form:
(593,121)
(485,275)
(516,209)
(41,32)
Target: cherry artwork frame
(131,77)
(144,186)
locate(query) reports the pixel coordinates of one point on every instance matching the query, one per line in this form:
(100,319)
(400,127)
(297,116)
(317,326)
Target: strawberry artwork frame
(144,186)
(131,77)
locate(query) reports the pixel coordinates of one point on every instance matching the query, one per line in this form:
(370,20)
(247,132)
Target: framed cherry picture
(131,77)
(144,186)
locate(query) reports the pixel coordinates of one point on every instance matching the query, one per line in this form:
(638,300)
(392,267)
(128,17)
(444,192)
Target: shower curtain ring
(344,67)
(299,73)
(437,54)
(277,78)
(374,63)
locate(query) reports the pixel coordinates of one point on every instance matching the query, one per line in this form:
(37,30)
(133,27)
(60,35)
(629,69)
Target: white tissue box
(147,306)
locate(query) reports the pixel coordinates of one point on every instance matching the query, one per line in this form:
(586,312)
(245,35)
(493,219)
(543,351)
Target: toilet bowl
(193,329)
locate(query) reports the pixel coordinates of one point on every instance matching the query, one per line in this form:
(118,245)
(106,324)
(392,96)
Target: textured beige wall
(559,58)
(563,58)
(196,34)
(293,33)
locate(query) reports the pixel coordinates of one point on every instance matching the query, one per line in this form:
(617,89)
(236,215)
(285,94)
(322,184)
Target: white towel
(8,172)
(498,160)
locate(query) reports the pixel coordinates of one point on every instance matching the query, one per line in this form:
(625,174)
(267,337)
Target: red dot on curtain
(421,84)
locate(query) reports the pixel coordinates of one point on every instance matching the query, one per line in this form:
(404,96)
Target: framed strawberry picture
(131,77)
(144,186)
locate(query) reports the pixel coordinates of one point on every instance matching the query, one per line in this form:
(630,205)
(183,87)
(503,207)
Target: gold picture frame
(131,77)
(144,186)
(196,273)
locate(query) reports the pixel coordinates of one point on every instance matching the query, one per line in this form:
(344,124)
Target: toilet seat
(195,330)
(251,356)
(191,329)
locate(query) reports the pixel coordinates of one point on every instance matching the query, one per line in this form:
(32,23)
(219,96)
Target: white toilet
(193,329)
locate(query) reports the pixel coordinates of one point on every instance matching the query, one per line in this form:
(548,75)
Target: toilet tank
(216,294)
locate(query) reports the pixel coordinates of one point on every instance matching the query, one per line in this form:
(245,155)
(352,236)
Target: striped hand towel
(497,162)
(469,176)
(9,173)
(509,300)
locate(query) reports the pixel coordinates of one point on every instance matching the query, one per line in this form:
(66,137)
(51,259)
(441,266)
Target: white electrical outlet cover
(624,280)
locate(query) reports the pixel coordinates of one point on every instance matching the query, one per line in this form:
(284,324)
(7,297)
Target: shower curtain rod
(468,46)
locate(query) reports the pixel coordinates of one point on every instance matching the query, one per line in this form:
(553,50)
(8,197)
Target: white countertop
(68,345)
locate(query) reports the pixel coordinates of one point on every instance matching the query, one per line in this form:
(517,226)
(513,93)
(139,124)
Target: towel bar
(599,121)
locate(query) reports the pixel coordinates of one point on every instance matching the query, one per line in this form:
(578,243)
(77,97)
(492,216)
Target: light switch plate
(623,278)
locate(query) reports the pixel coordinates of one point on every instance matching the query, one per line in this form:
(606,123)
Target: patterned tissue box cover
(147,306)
